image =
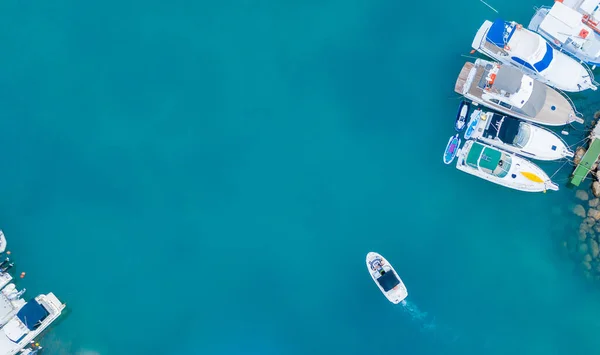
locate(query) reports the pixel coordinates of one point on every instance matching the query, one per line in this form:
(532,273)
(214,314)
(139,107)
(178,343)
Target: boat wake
(426,323)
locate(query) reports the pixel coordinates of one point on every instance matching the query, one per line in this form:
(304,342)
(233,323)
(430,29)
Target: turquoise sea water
(209,177)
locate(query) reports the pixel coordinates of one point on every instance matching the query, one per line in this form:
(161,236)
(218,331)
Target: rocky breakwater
(585,248)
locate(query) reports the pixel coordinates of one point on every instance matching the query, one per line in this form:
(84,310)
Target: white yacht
(506,89)
(386,278)
(567,31)
(590,9)
(510,43)
(520,137)
(10,303)
(30,320)
(2,242)
(502,168)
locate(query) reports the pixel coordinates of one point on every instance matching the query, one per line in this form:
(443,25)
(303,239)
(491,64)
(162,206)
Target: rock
(590,221)
(594,166)
(596,188)
(593,213)
(582,235)
(579,211)
(597,227)
(583,249)
(588,259)
(597,115)
(594,202)
(586,265)
(593,245)
(582,195)
(578,155)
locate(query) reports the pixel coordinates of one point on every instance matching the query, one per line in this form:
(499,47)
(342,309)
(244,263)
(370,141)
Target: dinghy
(451,149)
(473,122)
(386,278)
(461,116)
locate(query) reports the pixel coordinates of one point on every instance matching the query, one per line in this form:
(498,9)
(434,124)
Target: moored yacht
(30,320)
(565,29)
(520,137)
(502,168)
(510,43)
(506,89)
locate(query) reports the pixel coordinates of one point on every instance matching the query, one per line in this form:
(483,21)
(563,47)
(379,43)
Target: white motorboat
(520,137)
(2,242)
(502,168)
(30,320)
(386,278)
(510,43)
(567,30)
(506,89)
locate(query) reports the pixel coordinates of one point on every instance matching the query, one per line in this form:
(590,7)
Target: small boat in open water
(461,116)
(386,278)
(451,149)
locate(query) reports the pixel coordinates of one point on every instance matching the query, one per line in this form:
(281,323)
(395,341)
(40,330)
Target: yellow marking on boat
(532,176)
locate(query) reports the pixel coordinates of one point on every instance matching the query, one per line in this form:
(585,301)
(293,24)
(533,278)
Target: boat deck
(462,78)
(589,158)
(562,109)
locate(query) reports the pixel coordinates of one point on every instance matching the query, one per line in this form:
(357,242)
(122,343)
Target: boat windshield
(503,166)
(522,137)
(388,281)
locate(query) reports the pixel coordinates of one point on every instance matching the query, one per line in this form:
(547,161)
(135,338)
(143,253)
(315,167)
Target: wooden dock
(589,158)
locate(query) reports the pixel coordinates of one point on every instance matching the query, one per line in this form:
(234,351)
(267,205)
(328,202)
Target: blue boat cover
(388,281)
(545,62)
(31,313)
(500,32)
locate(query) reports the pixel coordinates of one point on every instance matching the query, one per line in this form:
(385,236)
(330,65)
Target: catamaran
(502,168)
(30,320)
(510,43)
(520,137)
(386,278)
(567,30)
(506,89)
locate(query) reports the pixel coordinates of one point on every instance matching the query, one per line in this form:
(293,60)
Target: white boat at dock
(509,43)
(502,168)
(506,89)
(567,30)
(520,137)
(29,321)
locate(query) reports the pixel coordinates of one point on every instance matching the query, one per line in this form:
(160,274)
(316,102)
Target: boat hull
(561,60)
(396,295)
(543,144)
(518,178)
(451,149)
(461,116)
(559,35)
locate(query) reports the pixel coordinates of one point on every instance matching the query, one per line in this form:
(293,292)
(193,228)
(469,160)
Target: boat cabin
(508,130)
(488,160)
(388,281)
(508,87)
(526,48)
